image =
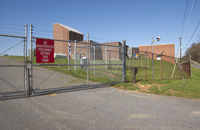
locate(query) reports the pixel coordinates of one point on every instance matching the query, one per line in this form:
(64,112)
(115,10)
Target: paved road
(11,78)
(100,109)
(195,64)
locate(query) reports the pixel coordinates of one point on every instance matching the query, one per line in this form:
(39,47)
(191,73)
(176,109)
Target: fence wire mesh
(77,64)
(12,65)
(164,67)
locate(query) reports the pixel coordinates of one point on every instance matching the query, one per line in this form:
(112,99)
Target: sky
(136,21)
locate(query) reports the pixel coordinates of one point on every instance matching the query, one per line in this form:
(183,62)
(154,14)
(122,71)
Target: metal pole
(161,67)
(94,61)
(152,61)
(106,57)
(25,59)
(190,72)
(68,55)
(161,64)
(141,61)
(145,67)
(180,48)
(109,57)
(134,59)
(75,54)
(31,61)
(124,61)
(88,59)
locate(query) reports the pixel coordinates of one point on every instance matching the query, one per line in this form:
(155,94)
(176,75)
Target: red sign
(44,51)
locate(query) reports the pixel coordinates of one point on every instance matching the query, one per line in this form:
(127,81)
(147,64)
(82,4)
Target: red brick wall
(113,50)
(81,48)
(60,33)
(169,51)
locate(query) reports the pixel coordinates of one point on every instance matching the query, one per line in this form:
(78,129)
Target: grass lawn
(187,88)
(103,73)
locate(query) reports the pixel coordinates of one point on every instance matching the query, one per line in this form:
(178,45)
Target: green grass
(180,85)
(102,75)
(187,88)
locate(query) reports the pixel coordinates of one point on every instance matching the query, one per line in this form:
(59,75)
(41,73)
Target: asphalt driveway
(100,109)
(194,64)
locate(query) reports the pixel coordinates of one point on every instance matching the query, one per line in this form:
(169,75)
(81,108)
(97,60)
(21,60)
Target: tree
(194,51)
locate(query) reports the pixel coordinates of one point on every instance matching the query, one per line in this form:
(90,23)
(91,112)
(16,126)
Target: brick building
(169,51)
(62,32)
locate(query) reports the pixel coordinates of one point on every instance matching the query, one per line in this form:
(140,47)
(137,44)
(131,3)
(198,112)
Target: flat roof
(70,29)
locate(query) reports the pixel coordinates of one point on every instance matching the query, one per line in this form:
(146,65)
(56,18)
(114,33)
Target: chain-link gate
(77,64)
(81,64)
(13,76)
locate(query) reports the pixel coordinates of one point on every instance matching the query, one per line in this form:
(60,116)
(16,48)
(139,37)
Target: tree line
(194,51)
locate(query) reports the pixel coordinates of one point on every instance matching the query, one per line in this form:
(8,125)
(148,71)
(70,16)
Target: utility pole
(180,48)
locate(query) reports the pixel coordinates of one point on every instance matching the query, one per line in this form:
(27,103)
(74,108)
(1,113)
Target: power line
(191,11)
(12,28)
(193,34)
(13,24)
(43,30)
(184,18)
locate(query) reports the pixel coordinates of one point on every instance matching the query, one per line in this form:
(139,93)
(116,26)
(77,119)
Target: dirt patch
(53,94)
(174,92)
(109,74)
(146,87)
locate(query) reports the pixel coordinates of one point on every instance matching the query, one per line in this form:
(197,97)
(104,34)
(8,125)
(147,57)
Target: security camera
(158,38)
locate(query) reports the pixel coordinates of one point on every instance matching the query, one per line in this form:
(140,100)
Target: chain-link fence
(76,63)
(161,67)
(13,64)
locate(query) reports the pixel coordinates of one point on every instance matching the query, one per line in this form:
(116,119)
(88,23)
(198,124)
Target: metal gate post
(94,60)
(68,55)
(124,61)
(109,67)
(106,57)
(88,65)
(75,55)
(25,60)
(30,76)
(87,59)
